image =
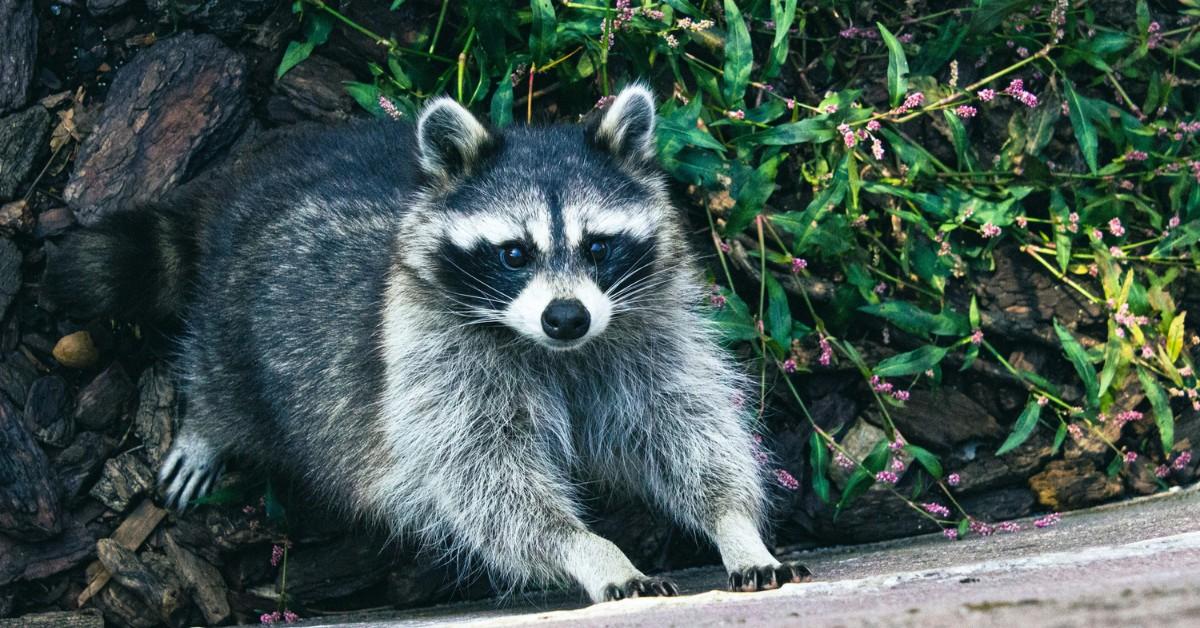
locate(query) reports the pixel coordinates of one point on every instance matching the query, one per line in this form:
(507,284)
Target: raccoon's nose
(565,319)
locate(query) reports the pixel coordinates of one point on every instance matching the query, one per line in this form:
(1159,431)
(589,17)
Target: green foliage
(891,164)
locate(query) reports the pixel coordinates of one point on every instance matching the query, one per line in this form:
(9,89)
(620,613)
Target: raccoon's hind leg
(190,470)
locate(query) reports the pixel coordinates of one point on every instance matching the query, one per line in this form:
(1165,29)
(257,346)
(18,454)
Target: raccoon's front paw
(641,586)
(188,472)
(763,578)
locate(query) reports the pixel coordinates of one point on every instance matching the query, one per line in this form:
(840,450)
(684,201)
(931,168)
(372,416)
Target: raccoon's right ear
(449,139)
(627,128)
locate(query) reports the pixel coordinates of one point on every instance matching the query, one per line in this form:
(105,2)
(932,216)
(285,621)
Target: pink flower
(953,479)
(1047,521)
(950,533)
(786,480)
(826,351)
(290,617)
(934,508)
(1115,227)
(990,230)
(717,301)
(1042,401)
(1008,526)
(389,108)
(799,264)
(1173,222)
(1075,431)
(887,477)
(1162,471)
(986,95)
(900,395)
(1131,457)
(873,125)
(977,337)
(876,148)
(791,103)
(896,445)
(276,555)
(270,618)
(842,461)
(736,114)
(1182,460)
(1136,155)
(830,108)
(605,101)
(898,465)
(789,365)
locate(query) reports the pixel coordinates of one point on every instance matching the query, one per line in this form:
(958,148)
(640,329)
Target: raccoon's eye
(598,250)
(513,255)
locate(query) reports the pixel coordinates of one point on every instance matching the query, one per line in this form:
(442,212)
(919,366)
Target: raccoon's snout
(565,319)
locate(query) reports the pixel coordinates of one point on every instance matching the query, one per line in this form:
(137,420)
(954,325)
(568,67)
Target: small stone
(124,479)
(1070,484)
(76,351)
(15,217)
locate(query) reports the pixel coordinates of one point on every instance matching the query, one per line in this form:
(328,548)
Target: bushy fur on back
(371,309)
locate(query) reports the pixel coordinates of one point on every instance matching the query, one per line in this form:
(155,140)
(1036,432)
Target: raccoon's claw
(641,587)
(763,578)
(188,473)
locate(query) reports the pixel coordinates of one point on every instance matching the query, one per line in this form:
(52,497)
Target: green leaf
(1059,438)
(779,315)
(275,510)
(913,362)
(1083,367)
(926,458)
(542,31)
(818,457)
(897,69)
(973,314)
(296,52)
(1085,132)
(1023,428)
(502,101)
(1175,336)
(365,94)
(1112,359)
(733,321)
(915,320)
(783,13)
(1161,404)
(739,57)
(395,5)
(810,131)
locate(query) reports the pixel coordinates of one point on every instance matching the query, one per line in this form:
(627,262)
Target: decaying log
(23,138)
(129,535)
(204,582)
(170,110)
(124,479)
(18,51)
(29,505)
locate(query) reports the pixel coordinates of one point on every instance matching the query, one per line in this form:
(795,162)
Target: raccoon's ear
(449,139)
(627,128)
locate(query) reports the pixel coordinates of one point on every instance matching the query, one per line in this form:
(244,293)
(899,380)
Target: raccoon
(448,330)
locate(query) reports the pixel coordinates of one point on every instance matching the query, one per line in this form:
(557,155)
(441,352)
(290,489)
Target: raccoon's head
(556,233)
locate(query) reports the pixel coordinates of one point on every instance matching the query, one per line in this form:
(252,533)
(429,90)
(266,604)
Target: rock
(985,471)
(102,8)
(87,618)
(858,441)
(999,505)
(17,374)
(15,217)
(123,607)
(1069,484)
(23,141)
(203,581)
(76,351)
(124,479)
(223,17)
(77,465)
(169,111)
(53,222)
(34,561)
(154,422)
(1020,299)
(10,273)
(48,411)
(148,576)
(943,418)
(312,90)
(18,51)
(332,570)
(103,399)
(29,505)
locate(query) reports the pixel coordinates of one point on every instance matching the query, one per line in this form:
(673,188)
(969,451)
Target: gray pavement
(1136,563)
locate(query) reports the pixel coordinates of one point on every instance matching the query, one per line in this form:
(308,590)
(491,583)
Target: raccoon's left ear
(627,128)
(449,139)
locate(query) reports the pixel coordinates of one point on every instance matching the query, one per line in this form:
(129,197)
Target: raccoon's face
(551,232)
